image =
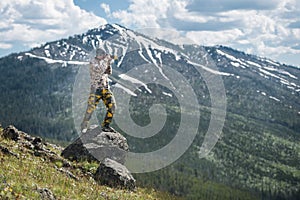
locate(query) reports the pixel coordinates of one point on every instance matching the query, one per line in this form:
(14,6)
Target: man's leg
(110,104)
(93,101)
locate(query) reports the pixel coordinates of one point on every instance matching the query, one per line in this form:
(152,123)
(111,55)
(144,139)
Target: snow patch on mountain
(210,70)
(167,94)
(234,59)
(267,69)
(117,85)
(147,43)
(253,63)
(119,28)
(235,64)
(288,74)
(271,62)
(270,97)
(269,74)
(47,53)
(274,98)
(52,61)
(134,81)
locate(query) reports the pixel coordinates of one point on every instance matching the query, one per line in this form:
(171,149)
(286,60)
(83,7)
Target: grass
(20,178)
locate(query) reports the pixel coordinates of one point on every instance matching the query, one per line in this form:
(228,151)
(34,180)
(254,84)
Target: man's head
(100,52)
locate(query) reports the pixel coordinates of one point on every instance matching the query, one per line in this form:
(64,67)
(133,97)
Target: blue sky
(265,28)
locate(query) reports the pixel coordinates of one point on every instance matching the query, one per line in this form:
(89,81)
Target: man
(100,68)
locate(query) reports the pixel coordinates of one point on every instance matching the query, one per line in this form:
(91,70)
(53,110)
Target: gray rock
(11,133)
(8,152)
(67,172)
(96,145)
(115,175)
(46,194)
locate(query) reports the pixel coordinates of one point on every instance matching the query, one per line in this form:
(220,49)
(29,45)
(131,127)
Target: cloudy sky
(269,28)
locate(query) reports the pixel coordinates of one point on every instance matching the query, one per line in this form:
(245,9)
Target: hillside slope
(31,173)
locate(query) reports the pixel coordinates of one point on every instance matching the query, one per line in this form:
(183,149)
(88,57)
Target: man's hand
(108,70)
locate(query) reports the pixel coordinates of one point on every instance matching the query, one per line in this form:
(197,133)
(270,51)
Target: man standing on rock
(100,68)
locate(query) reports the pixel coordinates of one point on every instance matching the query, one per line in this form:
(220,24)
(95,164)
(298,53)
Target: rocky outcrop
(115,175)
(96,145)
(110,150)
(35,145)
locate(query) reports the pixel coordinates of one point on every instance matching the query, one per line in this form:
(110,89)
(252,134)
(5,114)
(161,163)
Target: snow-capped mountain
(262,124)
(120,41)
(258,77)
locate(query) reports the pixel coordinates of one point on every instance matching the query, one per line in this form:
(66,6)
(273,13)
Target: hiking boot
(84,126)
(83,131)
(108,129)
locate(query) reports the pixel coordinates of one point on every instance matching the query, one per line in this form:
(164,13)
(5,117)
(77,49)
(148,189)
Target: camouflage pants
(95,96)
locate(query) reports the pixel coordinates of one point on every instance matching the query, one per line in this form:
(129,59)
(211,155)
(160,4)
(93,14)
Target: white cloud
(5,45)
(171,35)
(143,13)
(211,38)
(227,5)
(37,21)
(106,8)
(268,28)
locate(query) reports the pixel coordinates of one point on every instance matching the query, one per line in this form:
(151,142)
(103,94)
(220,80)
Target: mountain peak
(112,26)
(108,29)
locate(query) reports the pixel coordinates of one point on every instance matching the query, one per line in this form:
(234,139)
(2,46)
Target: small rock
(68,173)
(104,195)
(37,140)
(27,145)
(115,175)
(7,151)
(11,133)
(28,138)
(46,194)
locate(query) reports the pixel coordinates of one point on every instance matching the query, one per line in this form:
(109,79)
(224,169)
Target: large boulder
(96,145)
(115,175)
